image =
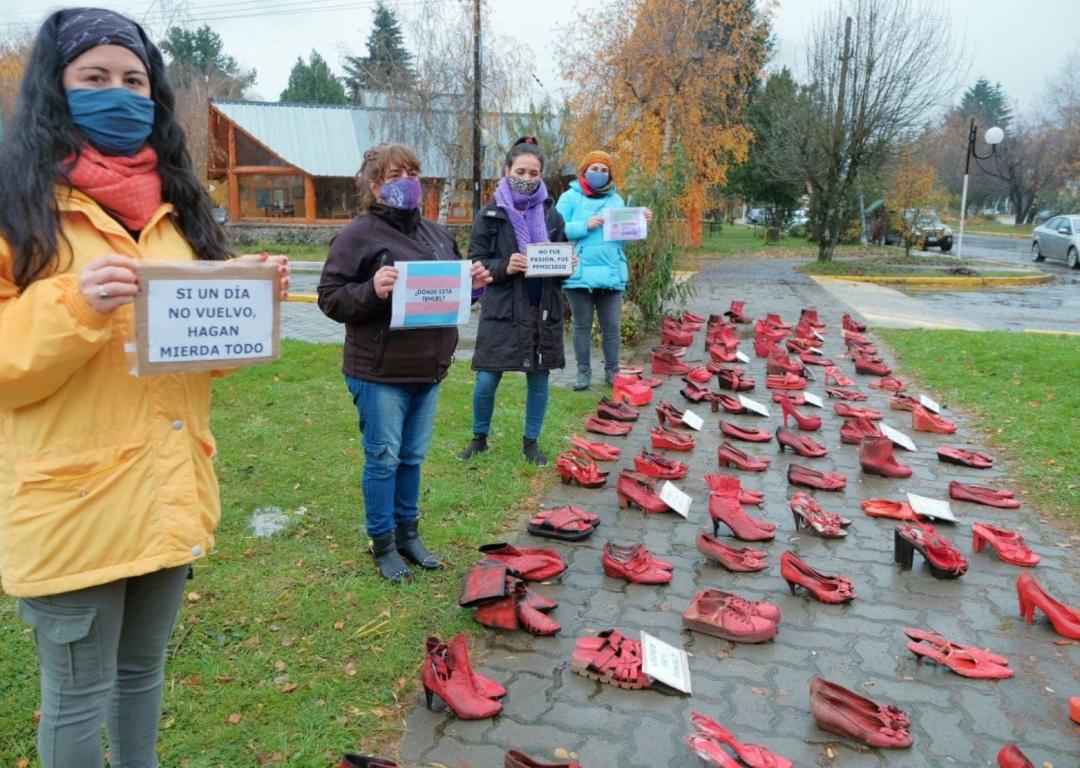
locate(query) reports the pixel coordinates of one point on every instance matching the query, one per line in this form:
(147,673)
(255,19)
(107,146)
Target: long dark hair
(41,136)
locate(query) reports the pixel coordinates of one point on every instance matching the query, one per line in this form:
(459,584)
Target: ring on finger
(102,293)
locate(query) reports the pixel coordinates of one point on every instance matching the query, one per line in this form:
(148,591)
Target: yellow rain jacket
(103,475)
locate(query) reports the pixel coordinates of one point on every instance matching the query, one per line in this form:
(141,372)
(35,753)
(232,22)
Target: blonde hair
(376,161)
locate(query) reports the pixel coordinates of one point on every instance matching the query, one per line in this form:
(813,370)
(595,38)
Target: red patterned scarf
(129,188)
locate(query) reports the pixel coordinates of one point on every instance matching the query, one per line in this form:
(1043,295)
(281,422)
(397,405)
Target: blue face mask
(596,179)
(115,120)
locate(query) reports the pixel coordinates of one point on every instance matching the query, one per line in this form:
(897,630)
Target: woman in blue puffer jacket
(599,280)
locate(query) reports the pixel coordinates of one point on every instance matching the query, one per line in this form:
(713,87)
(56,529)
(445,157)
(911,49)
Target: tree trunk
(445,195)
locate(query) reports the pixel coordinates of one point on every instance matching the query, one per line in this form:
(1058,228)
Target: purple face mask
(403,193)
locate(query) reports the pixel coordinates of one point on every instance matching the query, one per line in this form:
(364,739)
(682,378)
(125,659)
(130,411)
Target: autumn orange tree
(914,191)
(14,52)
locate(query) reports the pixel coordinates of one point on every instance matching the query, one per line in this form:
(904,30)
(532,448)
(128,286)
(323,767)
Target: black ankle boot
(391,566)
(532,452)
(364,761)
(407,538)
(477,445)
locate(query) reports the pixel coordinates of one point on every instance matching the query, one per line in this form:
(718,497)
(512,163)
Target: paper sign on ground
(939,509)
(897,437)
(741,357)
(625,224)
(753,405)
(816,351)
(818,336)
(813,399)
(666,663)
(431,294)
(692,420)
(676,499)
(549,259)
(205,315)
(929,404)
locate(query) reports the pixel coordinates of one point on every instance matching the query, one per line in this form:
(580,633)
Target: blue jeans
(536,383)
(396,422)
(608,304)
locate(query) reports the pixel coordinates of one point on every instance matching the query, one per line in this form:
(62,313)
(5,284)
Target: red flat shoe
(724,509)
(868,367)
(639,490)
(811,358)
(566,523)
(667,364)
(876,457)
(851,324)
(944,559)
(611,658)
(845,713)
(811,478)
(710,738)
(598,451)
(728,617)
(575,466)
(727,378)
(964,458)
(924,421)
(531,563)
(602,426)
(894,510)
(730,456)
(981,494)
(838,378)
(889,384)
(808,514)
(730,485)
(902,402)
(826,589)
(745,560)
(964,660)
(634,564)
(805,423)
(700,375)
(1030,593)
(845,411)
(844,394)
(1009,545)
(1010,756)
(625,389)
(854,431)
(655,465)
(608,409)
(749,435)
(666,439)
(803,446)
(786,381)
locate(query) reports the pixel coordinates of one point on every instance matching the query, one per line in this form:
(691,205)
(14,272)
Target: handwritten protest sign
(202,315)
(549,259)
(625,224)
(666,663)
(431,294)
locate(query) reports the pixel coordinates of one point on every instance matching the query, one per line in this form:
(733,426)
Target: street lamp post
(994,136)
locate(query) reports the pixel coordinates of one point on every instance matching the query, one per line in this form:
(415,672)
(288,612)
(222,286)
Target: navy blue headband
(81,29)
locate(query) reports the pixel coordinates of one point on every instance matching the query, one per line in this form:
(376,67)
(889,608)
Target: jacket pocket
(67,641)
(83,467)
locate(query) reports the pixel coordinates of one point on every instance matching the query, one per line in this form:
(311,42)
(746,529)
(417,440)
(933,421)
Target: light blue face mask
(596,179)
(115,120)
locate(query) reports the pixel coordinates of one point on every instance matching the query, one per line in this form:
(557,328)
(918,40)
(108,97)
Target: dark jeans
(536,396)
(608,306)
(396,421)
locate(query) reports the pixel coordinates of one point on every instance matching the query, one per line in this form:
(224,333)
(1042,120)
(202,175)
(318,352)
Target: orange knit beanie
(597,156)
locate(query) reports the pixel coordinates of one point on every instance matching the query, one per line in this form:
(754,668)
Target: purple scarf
(530,226)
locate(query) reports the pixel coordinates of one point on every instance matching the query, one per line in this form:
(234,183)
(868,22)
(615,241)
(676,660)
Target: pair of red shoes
(566,523)
(677,334)
(665,362)
(669,440)
(785,381)
(635,564)
(734,380)
(965,660)
(742,560)
(731,617)
(611,657)
(1031,595)
(846,713)
(832,590)
(518,608)
(613,411)
(448,674)
(660,467)
(870,367)
(811,478)
(597,450)
(973,459)
(668,414)
(807,513)
(854,431)
(710,738)
(634,488)
(730,456)
(1009,545)
(779,363)
(848,323)
(601,426)
(889,384)
(730,485)
(575,466)
(981,494)
(749,435)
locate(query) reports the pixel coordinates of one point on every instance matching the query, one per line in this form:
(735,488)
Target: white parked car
(1058,238)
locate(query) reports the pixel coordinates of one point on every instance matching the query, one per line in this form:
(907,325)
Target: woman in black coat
(521,319)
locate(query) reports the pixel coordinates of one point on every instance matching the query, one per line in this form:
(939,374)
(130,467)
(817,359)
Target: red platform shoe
(924,421)
(854,431)
(981,494)
(811,478)
(730,456)
(745,560)
(876,458)
(808,514)
(837,377)
(657,466)
(786,381)
(730,485)
(840,711)
(805,423)
(1030,593)
(597,451)
(450,677)
(740,433)
(726,510)
(576,466)
(826,589)
(630,389)
(634,564)
(845,411)
(1009,545)
(639,490)
(803,446)
(728,617)
(944,559)
(666,439)
(973,459)
(602,426)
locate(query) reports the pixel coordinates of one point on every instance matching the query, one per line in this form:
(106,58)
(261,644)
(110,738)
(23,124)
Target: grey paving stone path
(760,691)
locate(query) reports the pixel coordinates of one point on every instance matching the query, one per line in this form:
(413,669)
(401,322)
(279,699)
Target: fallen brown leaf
(350,669)
(193,597)
(235,718)
(289,687)
(339,625)
(287,641)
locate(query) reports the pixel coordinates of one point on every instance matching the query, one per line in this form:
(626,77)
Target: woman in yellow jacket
(107,486)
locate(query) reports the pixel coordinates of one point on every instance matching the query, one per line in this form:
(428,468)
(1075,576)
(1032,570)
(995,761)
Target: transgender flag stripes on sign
(430,293)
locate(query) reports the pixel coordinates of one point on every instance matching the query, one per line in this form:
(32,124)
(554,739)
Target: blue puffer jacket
(601,264)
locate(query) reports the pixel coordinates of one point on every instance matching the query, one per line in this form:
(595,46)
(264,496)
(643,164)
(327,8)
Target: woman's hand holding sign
(383,281)
(480,276)
(517,263)
(109,282)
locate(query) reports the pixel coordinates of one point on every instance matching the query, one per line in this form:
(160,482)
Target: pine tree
(388,65)
(314,83)
(987,103)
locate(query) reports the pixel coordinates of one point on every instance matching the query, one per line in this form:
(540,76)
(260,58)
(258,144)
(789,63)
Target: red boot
(876,458)
(450,677)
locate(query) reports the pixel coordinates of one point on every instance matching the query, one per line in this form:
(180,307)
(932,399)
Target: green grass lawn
(980,226)
(891,261)
(1021,390)
(295,638)
(295,251)
(740,239)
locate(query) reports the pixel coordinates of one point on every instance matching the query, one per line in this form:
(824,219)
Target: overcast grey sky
(1003,41)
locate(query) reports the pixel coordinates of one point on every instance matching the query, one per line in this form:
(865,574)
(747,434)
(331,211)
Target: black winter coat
(504,339)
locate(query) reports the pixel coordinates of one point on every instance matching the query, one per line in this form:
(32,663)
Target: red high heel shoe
(808,514)
(894,510)
(450,677)
(634,564)
(728,617)
(727,378)
(1030,593)
(639,490)
(844,394)
(728,403)
(845,411)
(1010,756)
(602,426)
(740,433)
(803,446)
(730,485)
(786,381)
(973,459)
(657,466)
(576,466)
(730,456)
(710,737)
(597,451)
(944,559)
(826,589)
(726,510)
(981,494)
(845,713)
(616,411)
(1009,545)
(876,458)
(745,560)
(805,423)
(666,439)
(851,324)
(811,478)
(666,413)
(626,389)
(837,377)
(964,660)
(854,431)
(888,384)
(924,421)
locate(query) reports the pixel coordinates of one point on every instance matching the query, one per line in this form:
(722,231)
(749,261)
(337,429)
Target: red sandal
(610,658)
(574,466)
(1009,545)
(567,523)
(964,660)
(598,451)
